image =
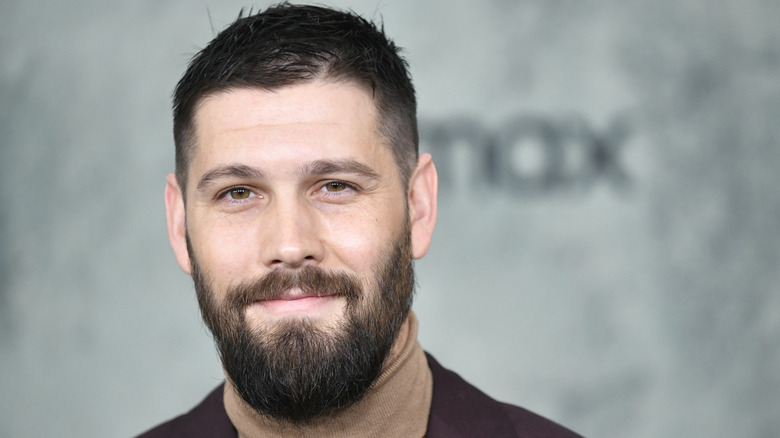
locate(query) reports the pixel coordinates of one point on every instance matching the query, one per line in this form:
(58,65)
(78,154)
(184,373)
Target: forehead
(304,106)
(279,103)
(298,121)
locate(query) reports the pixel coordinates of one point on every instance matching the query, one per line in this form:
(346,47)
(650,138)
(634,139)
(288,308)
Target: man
(298,204)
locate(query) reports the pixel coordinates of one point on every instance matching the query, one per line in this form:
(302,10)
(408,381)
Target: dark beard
(295,372)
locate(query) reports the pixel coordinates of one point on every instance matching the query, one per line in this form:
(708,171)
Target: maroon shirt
(458,410)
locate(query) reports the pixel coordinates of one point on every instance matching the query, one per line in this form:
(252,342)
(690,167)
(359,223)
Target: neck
(397,404)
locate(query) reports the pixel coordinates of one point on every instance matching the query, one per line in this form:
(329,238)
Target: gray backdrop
(608,246)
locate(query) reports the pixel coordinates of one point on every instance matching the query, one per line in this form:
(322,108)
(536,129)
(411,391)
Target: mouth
(296,301)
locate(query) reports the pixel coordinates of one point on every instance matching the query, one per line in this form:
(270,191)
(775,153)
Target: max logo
(526,154)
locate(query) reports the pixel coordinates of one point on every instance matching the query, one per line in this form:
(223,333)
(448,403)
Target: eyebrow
(319,167)
(324,167)
(230,171)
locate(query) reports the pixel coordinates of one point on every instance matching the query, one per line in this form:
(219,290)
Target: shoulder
(208,419)
(458,409)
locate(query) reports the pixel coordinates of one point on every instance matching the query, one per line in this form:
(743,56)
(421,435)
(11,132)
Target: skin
(294,177)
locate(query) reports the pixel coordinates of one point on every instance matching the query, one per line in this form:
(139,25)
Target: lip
(296,302)
(297,294)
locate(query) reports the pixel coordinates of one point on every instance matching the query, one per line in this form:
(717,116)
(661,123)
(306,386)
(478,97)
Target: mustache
(311,280)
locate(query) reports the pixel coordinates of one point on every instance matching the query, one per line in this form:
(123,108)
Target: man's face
(298,231)
(287,179)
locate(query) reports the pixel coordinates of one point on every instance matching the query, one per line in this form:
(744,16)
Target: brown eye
(335,186)
(239,193)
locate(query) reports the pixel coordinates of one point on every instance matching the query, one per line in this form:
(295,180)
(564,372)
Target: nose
(290,234)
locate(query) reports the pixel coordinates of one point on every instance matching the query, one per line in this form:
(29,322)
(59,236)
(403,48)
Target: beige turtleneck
(396,405)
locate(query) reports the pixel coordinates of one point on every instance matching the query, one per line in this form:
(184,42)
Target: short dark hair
(291,44)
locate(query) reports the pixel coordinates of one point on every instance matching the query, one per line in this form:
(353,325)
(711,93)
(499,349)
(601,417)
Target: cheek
(360,243)
(223,251)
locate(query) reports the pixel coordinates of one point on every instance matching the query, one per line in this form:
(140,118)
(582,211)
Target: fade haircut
(292,44)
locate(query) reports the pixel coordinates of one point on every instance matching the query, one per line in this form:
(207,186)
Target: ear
(177,224)
(423,190)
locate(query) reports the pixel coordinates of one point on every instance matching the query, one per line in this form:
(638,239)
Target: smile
(296,302)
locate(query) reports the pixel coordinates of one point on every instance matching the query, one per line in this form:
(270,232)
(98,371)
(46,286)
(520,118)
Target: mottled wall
(608,245)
